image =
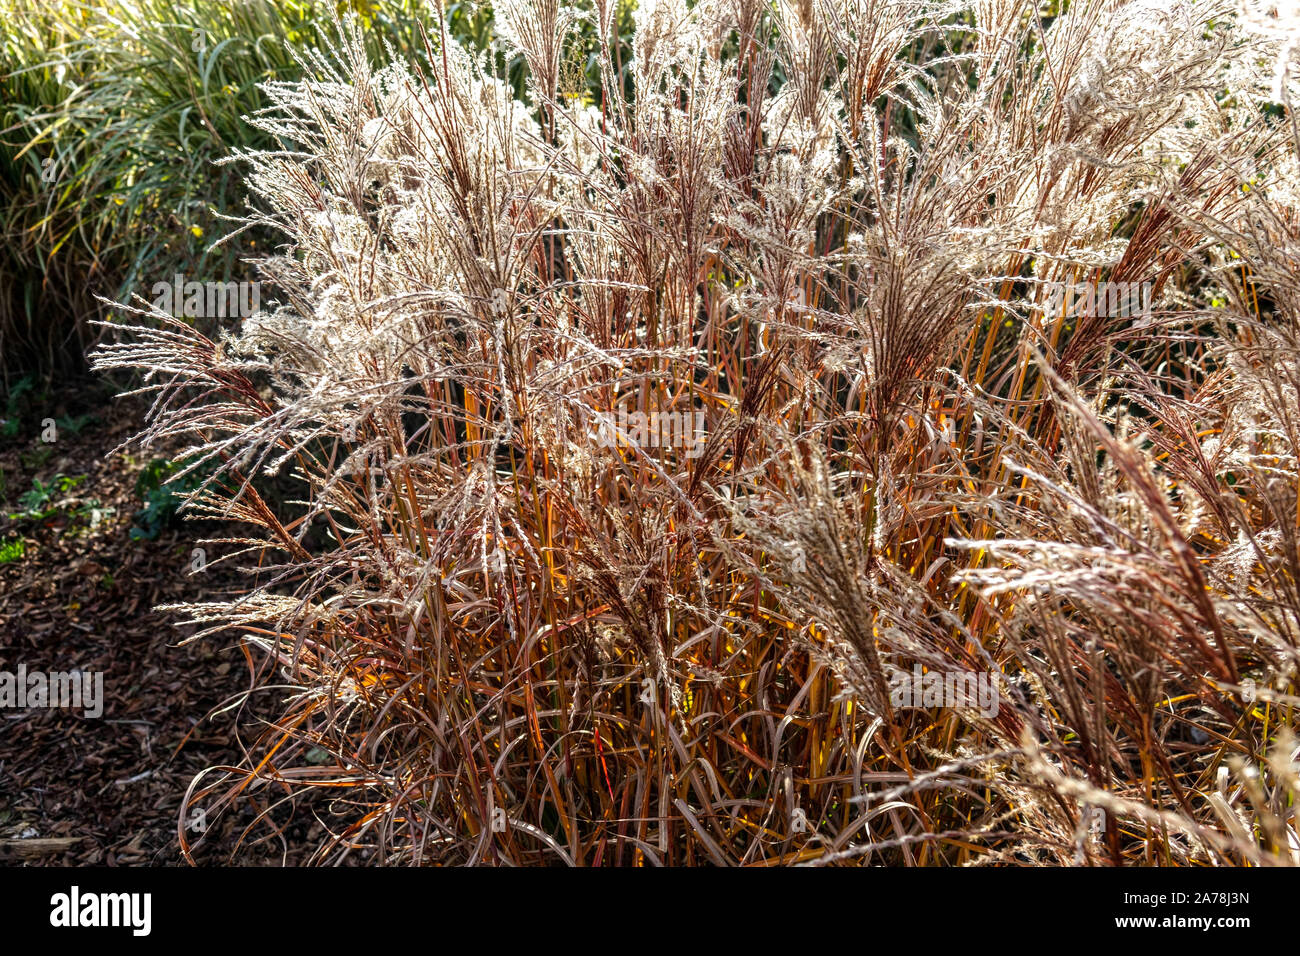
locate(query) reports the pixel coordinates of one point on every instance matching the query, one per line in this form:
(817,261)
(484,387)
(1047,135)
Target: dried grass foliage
(833,227)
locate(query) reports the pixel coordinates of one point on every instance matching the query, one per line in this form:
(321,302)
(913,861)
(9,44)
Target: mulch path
(81,791)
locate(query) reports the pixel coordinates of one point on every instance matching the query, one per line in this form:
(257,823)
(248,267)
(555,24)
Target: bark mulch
(81,596)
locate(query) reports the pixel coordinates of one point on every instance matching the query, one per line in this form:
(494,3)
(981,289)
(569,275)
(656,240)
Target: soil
(79,592)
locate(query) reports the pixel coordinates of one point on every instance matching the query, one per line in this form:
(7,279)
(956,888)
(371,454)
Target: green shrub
(163,495)
(113,120)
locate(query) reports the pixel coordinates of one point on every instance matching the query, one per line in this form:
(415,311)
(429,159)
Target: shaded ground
(78,593)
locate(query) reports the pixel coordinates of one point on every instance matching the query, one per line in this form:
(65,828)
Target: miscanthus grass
(835,233)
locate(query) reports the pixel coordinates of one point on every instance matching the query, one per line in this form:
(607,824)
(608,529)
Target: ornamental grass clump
(672,457)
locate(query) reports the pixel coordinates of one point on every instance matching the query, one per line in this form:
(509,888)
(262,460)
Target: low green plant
(35,459)
(35,503)
(50,500)
(12,551)
(11,423)
(163,495)
(73,424)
